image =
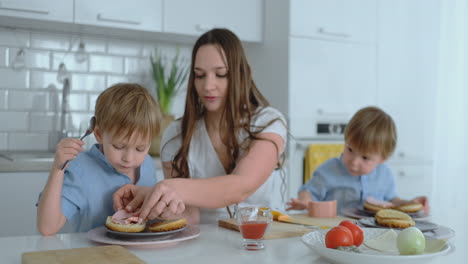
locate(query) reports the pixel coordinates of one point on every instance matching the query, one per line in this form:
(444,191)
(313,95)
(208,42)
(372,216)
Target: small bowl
(325,209)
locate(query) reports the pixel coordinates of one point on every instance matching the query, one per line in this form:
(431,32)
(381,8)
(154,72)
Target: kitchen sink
(35,156)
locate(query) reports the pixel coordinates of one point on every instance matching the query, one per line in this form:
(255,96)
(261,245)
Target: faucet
(65,108)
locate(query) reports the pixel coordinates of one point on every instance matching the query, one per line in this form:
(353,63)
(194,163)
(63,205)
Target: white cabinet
(51,10)
(328,80)
(334,19)
(243,17)
(407,84)
(413,180)
(332,61)
(138,14)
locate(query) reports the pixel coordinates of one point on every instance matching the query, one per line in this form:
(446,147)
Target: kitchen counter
(35,161)
(214,245)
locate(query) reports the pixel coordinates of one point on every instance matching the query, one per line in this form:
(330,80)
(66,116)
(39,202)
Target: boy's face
(358,163)
(123,154)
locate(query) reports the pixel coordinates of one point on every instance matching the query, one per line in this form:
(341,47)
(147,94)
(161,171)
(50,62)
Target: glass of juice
(253,222)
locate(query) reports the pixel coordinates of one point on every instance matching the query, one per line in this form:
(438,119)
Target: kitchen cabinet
(407,82)
(50,10)
(338,20)
(139,14)
(243,17)
(19,192)
(412,180)
(329,81)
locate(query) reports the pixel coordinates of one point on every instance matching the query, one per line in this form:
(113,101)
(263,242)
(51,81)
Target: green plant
(168,77)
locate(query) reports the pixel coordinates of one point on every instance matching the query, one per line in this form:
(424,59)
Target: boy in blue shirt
(360,172)
(127,119)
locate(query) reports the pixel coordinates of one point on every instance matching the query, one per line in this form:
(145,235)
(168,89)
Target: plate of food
(138,230)
(422,225)
(379,246)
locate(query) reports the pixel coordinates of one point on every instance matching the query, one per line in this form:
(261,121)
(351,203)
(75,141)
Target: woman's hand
(130,197)
(162,202)
(296,204)
(67,149)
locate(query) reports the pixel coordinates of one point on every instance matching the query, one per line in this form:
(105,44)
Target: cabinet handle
(401,173)
(322,31)
(100,17)
(27,10)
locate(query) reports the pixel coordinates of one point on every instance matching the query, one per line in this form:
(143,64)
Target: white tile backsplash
(30,99)
(106,64)
(88,82)
(13,121)
(12,79)
(3,56)
(28,141)
(3,141)
(50,41)
(70,62)
(14,38)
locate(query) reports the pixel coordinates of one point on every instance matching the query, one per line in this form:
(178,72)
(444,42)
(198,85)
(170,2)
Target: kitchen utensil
(92,124)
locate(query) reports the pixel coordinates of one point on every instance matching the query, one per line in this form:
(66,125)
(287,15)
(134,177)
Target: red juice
(253,229)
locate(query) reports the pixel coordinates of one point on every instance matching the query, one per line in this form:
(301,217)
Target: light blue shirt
(331,181)
(88,185)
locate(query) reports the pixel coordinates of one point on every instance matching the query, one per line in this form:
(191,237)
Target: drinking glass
(253,222)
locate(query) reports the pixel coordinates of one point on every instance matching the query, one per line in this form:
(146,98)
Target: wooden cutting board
(293,229)
(92,255)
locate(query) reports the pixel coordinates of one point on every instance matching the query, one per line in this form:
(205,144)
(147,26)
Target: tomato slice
(339,236)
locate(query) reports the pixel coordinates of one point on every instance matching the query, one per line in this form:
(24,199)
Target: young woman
(225,148)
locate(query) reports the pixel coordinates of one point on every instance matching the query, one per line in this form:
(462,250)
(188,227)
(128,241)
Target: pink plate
(101,235)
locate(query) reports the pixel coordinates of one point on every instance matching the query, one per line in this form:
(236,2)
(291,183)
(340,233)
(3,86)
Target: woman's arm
(50,218)
(250,173)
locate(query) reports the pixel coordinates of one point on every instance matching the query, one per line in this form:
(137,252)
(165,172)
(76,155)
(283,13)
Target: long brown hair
(243,99)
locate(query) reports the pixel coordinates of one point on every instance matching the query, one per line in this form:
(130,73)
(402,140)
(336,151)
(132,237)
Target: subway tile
(13,121)
(15,38)
(70,63)
(33,58)
(92,45)
(78,123)
(137,65)
(28,100)
(92,101)
(113,79)
(123,48)
(28,141)
(50,41)
(3,57)
(44,122)
(88,82)
(12,79)
(78,102)
(3,98)
(3,141)
(107,64)
(44,79)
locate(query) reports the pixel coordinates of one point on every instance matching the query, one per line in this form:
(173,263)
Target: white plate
(422,225)
(142,234)
(316,241)
(100,235)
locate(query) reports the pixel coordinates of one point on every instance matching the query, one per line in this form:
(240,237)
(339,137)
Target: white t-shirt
(204,162)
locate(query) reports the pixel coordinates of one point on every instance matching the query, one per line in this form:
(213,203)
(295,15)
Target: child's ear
(97,134)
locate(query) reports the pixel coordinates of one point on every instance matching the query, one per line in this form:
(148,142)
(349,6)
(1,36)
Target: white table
(214,245)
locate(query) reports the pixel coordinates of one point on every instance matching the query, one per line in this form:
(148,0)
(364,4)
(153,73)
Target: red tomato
(338,236)
(358,234)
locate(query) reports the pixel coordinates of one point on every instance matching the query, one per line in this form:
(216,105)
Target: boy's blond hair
(371,131)
(125,108)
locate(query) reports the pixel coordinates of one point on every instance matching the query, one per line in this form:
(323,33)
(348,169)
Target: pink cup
(326,209)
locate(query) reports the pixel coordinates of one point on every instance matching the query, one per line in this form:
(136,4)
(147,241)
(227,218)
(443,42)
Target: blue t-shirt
(331,181)
(88,185)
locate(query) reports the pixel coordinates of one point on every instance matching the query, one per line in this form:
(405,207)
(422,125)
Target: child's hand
(67,149)
(424,201)
(296,204)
